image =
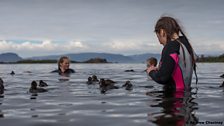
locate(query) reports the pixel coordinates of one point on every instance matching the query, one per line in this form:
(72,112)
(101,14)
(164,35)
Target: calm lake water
(70,101)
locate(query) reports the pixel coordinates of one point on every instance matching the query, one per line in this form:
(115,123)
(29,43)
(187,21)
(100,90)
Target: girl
(63,66)
(178,58)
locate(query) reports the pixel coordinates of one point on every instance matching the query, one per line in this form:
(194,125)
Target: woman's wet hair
(61,60)
(171,26)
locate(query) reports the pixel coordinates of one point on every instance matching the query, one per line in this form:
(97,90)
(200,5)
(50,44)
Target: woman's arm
(164,74)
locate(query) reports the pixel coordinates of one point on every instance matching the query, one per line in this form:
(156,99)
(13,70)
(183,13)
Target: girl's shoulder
(171,47)
(55,71)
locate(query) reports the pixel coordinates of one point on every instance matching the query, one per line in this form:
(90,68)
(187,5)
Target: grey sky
(118,26)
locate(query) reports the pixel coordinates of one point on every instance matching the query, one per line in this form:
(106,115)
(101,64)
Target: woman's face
(65,64)
(161,35)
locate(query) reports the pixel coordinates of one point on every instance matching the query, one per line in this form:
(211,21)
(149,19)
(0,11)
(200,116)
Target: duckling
(131,70)
(94,78)
(35,89)
(90,80)
(222,85)
(42,83)
(106,85)
(1,86)
(222,75)
(12,73)
(128,85)
(109,81)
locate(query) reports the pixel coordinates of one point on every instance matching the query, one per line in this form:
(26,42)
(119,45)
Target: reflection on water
(70,101)
(177,108)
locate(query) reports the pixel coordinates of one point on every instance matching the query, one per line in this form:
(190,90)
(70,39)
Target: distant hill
(81,57)
(9,57)
(93,60)
(86,56)
(143,57)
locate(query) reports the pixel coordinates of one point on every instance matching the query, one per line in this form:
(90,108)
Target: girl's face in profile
(161,35)
(65,64)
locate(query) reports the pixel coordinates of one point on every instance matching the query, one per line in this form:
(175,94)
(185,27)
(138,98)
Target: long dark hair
(171,26)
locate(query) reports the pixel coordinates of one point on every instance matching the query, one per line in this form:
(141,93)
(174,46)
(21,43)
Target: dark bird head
(12,73)
(90,79)
(33,85)
(42,83)
(94,77)
(126,84)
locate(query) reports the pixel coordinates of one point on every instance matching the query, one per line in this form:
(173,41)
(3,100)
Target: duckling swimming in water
(128,85)
(1,86)
(131,70)
(12,73)
(90,80)
(106,85)
(35,89)
(94,78)
(42,83)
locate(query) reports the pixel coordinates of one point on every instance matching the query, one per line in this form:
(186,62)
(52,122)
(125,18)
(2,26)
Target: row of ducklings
(107,84)
(104,84)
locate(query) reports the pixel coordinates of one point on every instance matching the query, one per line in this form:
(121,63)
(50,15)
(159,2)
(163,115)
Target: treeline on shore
(93,60)
(203,58)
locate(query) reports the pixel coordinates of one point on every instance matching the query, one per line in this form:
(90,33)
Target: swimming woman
(63,66)
(177,59)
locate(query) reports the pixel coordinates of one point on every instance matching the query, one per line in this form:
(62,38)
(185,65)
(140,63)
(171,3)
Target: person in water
(63,66)
(177,59)
(152,61)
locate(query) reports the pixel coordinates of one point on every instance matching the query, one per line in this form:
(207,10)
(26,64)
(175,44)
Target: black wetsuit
(175,68)
(68,71)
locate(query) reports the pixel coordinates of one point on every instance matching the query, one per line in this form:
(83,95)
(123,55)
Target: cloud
(45,47)
(209,48)
(126,29)
(122,46)
(75,44)
(10,46)
(134,46)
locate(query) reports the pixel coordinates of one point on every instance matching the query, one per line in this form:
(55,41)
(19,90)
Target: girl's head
(166,29)
(63,63)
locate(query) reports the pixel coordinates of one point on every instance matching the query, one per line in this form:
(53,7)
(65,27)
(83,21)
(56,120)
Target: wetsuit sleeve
(55,71)
(72,71)
(164,74)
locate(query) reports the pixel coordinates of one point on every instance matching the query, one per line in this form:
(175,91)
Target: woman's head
(166,29)
(63,63)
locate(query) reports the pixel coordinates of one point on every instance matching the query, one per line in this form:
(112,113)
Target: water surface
(70,101)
